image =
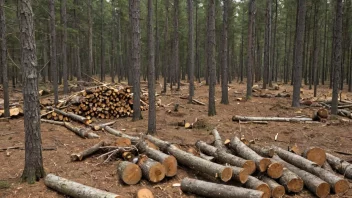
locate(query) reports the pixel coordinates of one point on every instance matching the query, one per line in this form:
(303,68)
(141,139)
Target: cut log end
(129,173)
(315,154)
(156,172)
(170,164)
(323,190)
(278,192)
(265,189)
(295,185)
(341,186)
(275,170)
(122,142)
(243,176)
(144,193)
(249,166)
(226,174)
(264,164)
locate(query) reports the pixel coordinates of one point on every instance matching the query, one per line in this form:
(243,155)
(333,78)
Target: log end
(129,173)
(170,164)
(122,142)
(226,174)
(156,172)
(316,155)
(264,164)
(144,193)
(249,166)
(341,186)
(243,176)
(76,157)
(278,192)
(323,190)
(265,189)
(295,185)
(275,170)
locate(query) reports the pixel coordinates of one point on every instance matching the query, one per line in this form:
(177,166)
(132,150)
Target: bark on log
(75,189)
(338,184)
(98,127)
(53,122)
(168,161)
(193,162)
(208,189)
(83,133)
(222,157)
(80,156)
(291,181)
(262,150)
(327,167)
(278,119)
(217,140)
(315,154)
(256,184)
(340,165)
(314,184)
(144,193)
(128,172)
(152,170)
(277,191)
(112,131)
(73,116)
(242,150)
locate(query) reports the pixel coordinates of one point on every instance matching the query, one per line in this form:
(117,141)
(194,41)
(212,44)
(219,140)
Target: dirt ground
(330,136)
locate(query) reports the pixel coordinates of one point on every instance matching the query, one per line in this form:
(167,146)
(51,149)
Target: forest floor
(91,171)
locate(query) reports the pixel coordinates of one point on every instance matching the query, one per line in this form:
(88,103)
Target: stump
(128,172)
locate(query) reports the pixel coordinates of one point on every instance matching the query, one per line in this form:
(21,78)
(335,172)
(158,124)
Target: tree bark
(90,42)
(256,184)
(250,49)
(129,172)
(77,48)
(224,62)
(63,46)
(81,155)
(112,131)
(54,69)
(190,49)
(267,40)
(340,165)
(278,119)
(208,189)
(102,44)
(299,43)
(211,57)
(291,181)
(4,60)
(277,191)
(33,168)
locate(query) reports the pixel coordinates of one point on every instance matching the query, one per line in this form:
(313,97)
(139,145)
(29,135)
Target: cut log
(291,181)
(73,116)
(98,127)
(277,191)
(208,189)
(314,184)
(217,140)
(256,184)
(275,170)
(338,184)
(327,167)
(242,150)
(144,193)
(237,118)
(340,165)
(53,122)
(295,149)
(128,172)
(122,142)
(74,189)
(168,161)
(194,101)
(315,154)
(222,157)
(152,170)
(80,156)
(112,131)
(193,162)
(262,150)
(83,133)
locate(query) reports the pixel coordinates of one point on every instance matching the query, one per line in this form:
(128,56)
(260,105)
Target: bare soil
(331,136)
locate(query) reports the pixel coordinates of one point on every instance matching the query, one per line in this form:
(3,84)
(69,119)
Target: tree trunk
(224,57)
(136,49)
(337,52)
(90,42)
(102,44)
(63,46)
(208,189)
(53,65)
(33,168)
(315,154)
(316,42)
(299,43)
(77,48)
(250,49)
(3,60)
(166,66)
(267,50)
(190,49)
(211,57)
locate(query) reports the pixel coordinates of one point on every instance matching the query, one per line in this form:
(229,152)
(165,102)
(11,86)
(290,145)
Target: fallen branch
(116,151)
(81,155)
(340,165)
(75,189)
(237,118)
(209,189)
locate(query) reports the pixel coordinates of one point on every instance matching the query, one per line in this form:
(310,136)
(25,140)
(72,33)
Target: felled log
(198,102)
(242,150)
(112,131)
(129,172)
(74,189)
(314,184)
(261,150)
(98,127)
(151,170)
(340,165)
(53,122)
(81,155)
(315,154)
(222,157)
(168,161)
(327,167)
(83,133)
(237,118)
(208,189)
(123,142)
(338,184)
(144,193)
(256,184)
(277,191)
(193,162)
(291,181)
(73,116)
(217,140)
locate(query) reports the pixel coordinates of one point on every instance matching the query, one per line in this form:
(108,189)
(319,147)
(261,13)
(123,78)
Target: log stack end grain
(249,166)
(226,174)
(263,164)
(341,186)
(256,184)
(275,170)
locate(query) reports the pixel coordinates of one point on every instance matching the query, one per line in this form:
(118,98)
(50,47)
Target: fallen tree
(340,165)
(75,189)
(208,189)
(237,118)
(81,155)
